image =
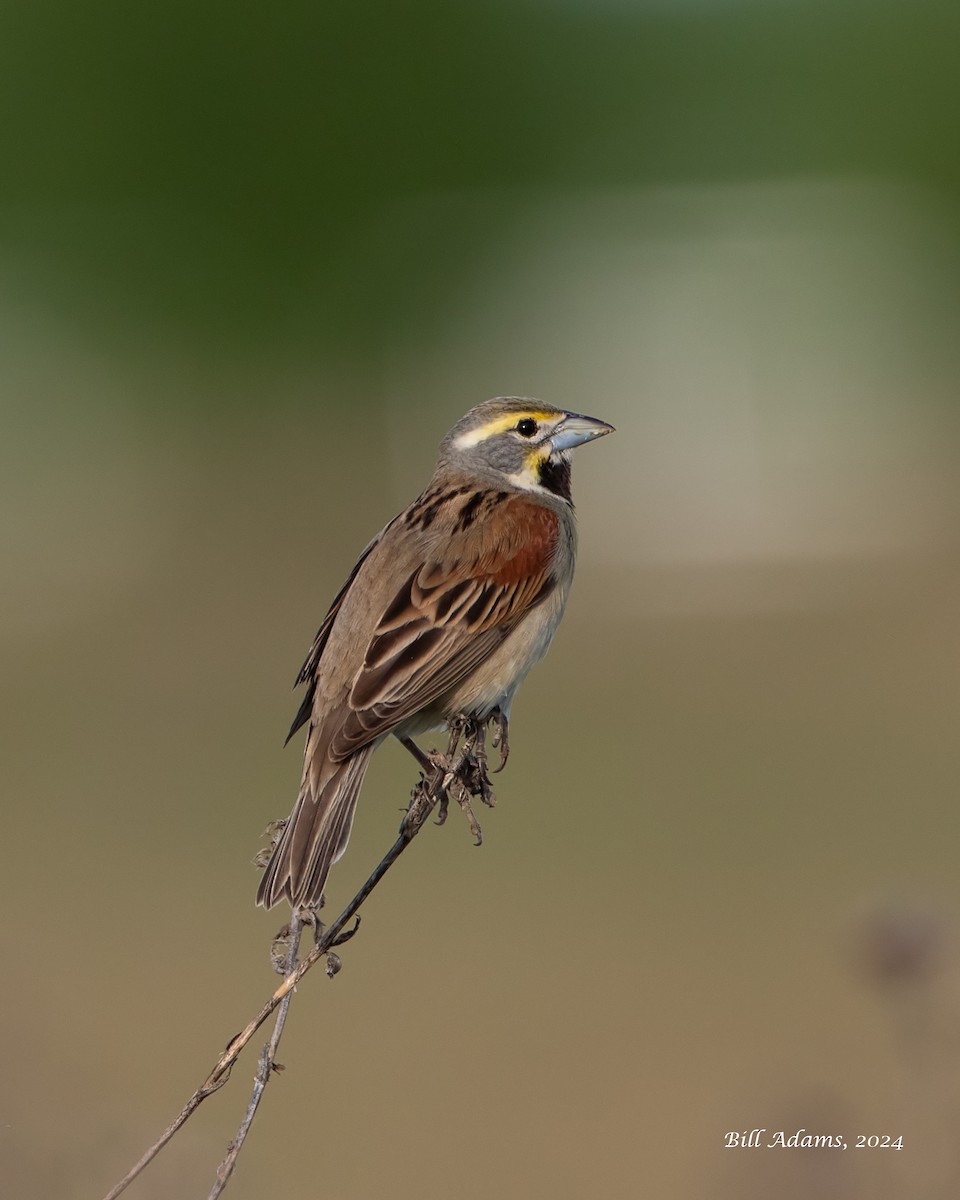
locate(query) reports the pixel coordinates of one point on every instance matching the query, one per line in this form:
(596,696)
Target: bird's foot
(501,737)
(466,807)
(475,776)
(463,772)
(443,806)
(467,775)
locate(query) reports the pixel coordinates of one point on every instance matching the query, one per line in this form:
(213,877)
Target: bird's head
(524,442)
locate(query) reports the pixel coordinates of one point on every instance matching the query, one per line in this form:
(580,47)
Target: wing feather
(308,672)
(441,624)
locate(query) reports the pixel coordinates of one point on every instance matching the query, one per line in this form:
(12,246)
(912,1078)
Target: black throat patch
(554,475)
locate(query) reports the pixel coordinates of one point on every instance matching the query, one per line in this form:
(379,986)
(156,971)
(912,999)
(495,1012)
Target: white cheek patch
(527,480)
(472,437)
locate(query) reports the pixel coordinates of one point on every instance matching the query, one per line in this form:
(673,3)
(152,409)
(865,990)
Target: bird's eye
(527,427)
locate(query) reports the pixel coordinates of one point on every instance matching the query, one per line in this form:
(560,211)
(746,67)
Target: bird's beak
(575,429)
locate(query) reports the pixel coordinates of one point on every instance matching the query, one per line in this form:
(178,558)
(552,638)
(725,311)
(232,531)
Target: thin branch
(266,1065)
(425,797)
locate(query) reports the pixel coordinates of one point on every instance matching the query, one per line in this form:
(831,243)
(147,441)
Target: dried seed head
(279,949)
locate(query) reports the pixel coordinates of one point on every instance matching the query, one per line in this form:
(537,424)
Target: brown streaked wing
(308,672)
(445,620)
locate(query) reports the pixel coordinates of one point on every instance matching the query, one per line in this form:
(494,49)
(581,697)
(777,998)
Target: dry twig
(266,1064)
(461,769)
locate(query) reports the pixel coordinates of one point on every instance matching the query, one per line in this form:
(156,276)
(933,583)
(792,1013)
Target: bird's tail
(316,834)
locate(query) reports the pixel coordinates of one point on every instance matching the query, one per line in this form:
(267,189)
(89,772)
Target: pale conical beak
(577,429)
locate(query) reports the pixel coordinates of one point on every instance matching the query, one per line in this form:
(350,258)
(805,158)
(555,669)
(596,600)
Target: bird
(441,618)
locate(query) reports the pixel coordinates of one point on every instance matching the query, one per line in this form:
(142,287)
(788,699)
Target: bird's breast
(493,683)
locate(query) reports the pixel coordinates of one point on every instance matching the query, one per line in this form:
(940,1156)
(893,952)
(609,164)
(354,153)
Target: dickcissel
(445,612)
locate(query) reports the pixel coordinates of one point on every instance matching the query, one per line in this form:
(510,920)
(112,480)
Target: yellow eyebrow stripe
(499,425)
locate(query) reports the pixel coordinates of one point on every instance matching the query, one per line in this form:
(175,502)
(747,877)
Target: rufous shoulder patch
(535,530)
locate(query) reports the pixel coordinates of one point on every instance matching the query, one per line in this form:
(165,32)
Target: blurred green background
(254,261)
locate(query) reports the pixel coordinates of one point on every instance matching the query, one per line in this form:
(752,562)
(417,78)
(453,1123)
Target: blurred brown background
(253,263)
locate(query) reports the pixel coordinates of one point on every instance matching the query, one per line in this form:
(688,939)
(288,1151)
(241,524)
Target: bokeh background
(254,261)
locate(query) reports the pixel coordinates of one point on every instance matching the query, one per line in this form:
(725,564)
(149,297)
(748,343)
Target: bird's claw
(501,737)
(468,776)
(463,770)
(473,775)
(463,799)
(442,808)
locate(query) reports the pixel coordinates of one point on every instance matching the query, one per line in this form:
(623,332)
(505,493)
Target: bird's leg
(468,774)
(437,773)
(475,776)
(443,805)
(456,764)
(462,770)
(462,796)
(501,737)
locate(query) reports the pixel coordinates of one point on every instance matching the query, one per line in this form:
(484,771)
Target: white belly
(494,682)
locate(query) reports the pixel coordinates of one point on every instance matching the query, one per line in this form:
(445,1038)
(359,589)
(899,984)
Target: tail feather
(316,834)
